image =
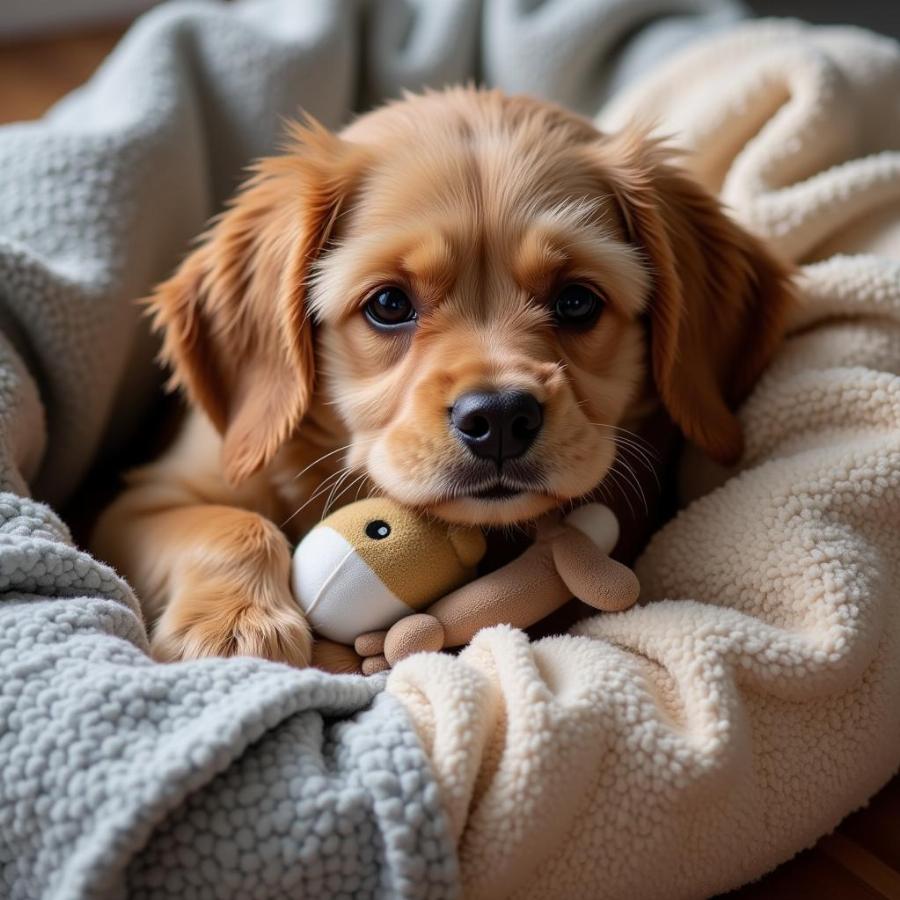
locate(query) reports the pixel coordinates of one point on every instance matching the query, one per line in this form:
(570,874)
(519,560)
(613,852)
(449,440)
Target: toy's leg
(370,646)
(372,665)
(414,634)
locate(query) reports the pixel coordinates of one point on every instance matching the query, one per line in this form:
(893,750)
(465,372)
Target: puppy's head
(488,278)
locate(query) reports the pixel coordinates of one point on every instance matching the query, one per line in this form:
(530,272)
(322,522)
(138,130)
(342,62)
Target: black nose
(497,425)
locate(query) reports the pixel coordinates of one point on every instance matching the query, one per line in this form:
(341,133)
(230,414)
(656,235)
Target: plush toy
(374,562)
(391,582)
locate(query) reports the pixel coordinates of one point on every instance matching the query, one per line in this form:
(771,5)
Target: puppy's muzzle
(496,425)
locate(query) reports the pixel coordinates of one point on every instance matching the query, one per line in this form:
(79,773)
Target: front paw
(199,630)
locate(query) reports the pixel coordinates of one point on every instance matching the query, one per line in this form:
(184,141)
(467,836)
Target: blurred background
(47,47)
(30,17)
(879,15)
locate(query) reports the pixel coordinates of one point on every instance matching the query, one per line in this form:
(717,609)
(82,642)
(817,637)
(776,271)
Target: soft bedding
(674,750)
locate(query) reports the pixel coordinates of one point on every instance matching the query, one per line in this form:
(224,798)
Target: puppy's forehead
(469,195)
(476,152)
(497,181)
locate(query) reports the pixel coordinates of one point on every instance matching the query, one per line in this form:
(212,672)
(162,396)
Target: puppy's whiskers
(629,436)
(614,481)
(640,451)
(622,476)
(331,453)
(332,500)
(345,474)
(323,488)
(633,479)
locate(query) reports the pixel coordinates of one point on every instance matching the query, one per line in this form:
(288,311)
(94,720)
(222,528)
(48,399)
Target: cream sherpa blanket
(691,744)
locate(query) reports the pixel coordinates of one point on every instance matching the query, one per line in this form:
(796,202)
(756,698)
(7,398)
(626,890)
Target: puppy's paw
(278,633)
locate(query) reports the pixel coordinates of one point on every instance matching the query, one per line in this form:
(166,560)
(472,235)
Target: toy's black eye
(577,306)
(389,307)
(378,530)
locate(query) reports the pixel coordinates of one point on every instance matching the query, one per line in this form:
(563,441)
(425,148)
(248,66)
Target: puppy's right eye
(389,307)
(577,306)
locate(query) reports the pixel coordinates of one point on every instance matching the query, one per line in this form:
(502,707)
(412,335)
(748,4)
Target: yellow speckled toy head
(375,561)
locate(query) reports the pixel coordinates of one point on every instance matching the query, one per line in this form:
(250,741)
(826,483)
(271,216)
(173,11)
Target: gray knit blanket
(221,778)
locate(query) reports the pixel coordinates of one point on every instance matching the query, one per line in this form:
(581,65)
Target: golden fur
(480,206)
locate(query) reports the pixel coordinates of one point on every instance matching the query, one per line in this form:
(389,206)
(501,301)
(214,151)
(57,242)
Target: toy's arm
(519,594)
(567,560)
(591,575)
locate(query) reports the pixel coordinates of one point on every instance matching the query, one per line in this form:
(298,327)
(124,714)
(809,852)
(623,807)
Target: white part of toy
(337,590)
(598,522)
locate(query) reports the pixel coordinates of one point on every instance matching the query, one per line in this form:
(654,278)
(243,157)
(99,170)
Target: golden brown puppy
(453,302)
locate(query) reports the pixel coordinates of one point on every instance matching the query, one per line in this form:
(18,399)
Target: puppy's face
(488,279)
(479,320)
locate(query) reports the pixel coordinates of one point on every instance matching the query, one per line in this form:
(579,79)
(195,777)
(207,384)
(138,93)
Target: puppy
(454,303)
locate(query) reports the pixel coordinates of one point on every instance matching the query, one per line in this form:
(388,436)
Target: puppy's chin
(489,512)
(458,493)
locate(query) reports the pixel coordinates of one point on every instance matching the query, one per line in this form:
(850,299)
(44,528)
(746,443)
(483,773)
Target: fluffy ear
(236,333)
(720,298)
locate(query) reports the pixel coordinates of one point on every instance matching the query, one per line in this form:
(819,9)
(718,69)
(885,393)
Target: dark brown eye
(577,306)
(389,307)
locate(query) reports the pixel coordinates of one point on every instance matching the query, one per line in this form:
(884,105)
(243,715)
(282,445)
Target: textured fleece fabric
(222,778)
(753,699)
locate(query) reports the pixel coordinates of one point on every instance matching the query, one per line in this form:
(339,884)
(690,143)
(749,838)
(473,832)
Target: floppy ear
(236,333)
(719,299)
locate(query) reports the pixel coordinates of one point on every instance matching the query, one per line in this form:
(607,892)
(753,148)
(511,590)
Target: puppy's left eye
(389,307)
(577,306)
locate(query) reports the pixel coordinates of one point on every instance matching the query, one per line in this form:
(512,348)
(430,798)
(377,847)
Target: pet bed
(674,750)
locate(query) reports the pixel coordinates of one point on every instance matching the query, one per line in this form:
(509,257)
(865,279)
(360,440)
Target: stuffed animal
(391,582)
(374,562)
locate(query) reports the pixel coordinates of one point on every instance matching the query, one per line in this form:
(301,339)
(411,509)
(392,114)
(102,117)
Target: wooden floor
(861,861)
(35,74)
